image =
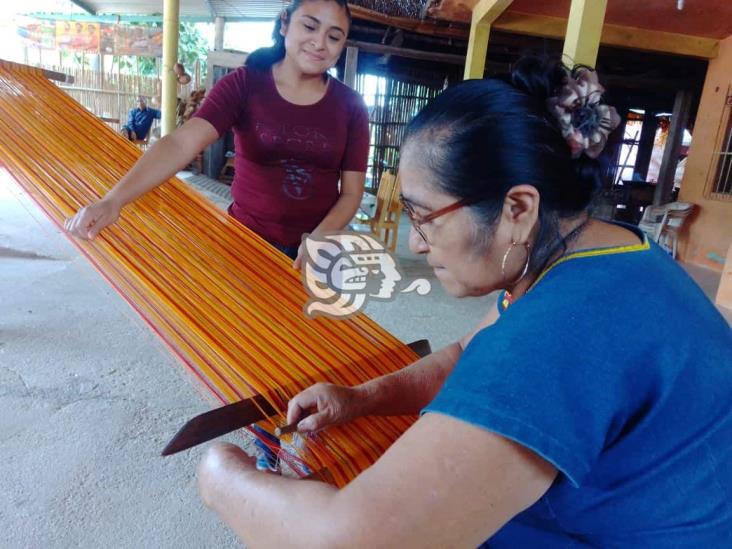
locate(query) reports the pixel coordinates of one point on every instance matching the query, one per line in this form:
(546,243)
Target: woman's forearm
(265,510)
(409,390)
(349,200)
(162,161)
(341,214)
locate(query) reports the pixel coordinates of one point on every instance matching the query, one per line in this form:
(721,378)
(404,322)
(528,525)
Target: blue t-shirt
(616,369)
(140,121)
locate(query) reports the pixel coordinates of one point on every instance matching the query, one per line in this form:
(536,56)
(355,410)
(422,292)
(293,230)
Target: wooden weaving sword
(218,422)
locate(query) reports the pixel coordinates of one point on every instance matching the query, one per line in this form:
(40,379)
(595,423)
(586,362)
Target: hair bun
(539,77)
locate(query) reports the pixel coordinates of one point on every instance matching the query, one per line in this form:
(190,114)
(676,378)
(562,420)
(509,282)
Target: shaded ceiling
(707,18)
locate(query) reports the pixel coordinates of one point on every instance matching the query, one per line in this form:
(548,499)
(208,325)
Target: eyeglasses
(418,220)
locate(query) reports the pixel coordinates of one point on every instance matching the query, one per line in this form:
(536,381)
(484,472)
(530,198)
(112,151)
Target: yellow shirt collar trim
(593,252)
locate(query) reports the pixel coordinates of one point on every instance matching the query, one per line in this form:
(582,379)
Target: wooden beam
(556,27)
(584,29)
(485,12)
(477,50)
(670,161)
(444,29)
(612,35)
(371,47)
(351,66)
(58,76)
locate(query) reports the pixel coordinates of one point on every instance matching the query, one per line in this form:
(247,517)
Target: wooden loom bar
(226,303)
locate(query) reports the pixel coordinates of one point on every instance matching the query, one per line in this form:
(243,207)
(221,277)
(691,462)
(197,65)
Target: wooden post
(485,12)
(122,114)
(351,68)
(670,161)
(219,24)
(584,30)
(101,71)
(171,19)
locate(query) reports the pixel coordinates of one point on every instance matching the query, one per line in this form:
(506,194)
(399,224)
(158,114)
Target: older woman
(591,408)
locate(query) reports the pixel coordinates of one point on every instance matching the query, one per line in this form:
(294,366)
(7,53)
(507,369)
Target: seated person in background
(139,121)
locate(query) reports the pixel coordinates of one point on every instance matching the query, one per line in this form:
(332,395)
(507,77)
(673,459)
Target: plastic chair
(384,223)
(676,214)
(653,220)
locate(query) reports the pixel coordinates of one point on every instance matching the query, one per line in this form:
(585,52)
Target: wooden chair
(230,164)
(384,223)
(143,143)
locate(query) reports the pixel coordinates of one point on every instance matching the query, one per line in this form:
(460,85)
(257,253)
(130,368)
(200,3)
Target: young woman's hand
(297,264)
(326,404)
(88,222)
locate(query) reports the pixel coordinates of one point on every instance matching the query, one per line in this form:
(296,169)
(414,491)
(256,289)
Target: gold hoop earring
(527,247)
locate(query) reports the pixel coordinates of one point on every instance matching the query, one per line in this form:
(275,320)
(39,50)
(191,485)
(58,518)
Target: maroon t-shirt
(288,157)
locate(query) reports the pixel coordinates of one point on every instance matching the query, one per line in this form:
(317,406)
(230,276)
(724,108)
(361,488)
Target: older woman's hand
(326,404)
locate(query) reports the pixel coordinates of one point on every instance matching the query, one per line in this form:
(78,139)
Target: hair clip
(585,122)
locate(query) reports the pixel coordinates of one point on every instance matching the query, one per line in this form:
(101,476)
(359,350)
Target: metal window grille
(722,186)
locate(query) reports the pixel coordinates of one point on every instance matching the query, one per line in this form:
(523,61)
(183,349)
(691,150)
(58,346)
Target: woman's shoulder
(634,283)
(347,95)
(235,80)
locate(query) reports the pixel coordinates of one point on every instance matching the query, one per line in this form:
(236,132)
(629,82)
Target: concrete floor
(89,397)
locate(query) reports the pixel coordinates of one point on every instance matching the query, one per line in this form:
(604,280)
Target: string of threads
(219,296)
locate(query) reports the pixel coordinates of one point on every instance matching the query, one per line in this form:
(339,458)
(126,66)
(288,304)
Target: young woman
(298,133)
(590,409)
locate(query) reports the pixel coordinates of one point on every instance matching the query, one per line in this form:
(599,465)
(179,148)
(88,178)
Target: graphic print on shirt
(298,180)
(293,139)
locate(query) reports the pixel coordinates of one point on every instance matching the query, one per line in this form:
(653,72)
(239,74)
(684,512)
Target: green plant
(192,47)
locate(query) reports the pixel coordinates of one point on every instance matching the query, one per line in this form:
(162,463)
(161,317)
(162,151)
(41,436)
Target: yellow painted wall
(710,228)
(724,292)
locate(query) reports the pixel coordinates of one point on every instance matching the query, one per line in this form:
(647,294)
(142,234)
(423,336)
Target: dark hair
(481,137)
(264,58)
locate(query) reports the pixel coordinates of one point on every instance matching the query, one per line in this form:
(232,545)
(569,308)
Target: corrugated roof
(188,8)
(238,9)
(255,9)
(204,9)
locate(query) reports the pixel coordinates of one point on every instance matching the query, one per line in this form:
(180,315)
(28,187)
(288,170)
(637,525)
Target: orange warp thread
(218,295)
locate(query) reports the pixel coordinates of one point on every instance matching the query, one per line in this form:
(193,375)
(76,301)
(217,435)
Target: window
(722,183)
(625,167)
